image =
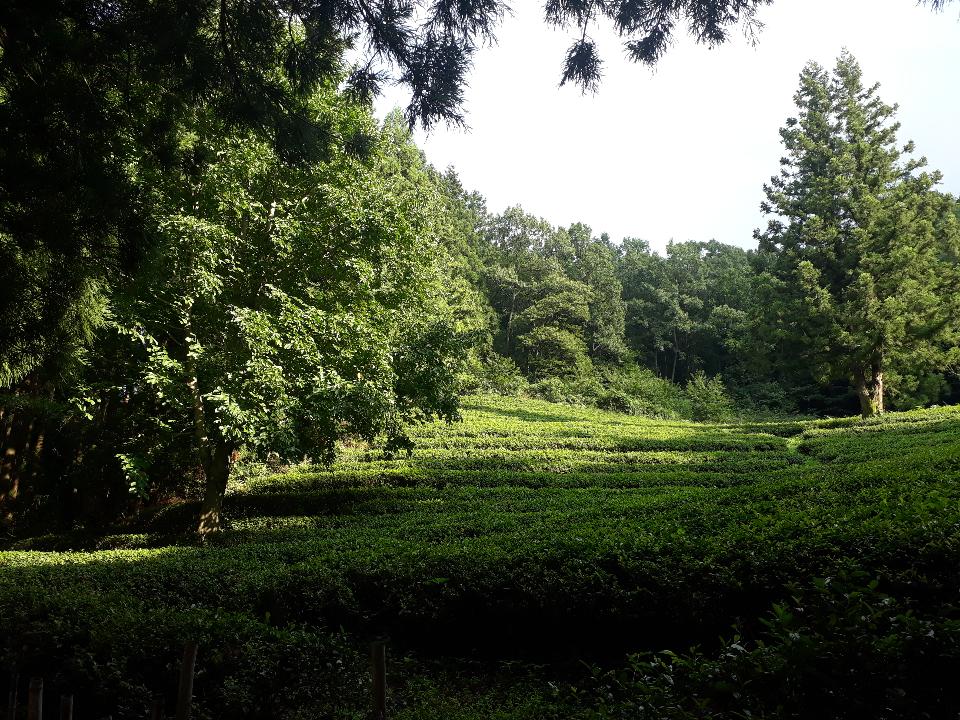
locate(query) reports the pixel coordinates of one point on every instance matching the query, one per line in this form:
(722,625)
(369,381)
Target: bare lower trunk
(215,459)
(217,472)
(870,391)
(23,461)
(513,304)
(676,354)
(10,444)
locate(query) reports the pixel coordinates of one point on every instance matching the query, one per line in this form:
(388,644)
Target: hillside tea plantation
(515,559)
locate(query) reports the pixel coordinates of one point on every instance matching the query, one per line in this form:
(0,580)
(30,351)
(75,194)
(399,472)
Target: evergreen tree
(862,271)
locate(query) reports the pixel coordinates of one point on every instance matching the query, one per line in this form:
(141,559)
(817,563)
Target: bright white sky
(682,151)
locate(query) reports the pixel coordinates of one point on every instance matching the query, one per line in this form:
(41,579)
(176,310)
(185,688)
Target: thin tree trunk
(14,452)
(199,418)
(676,354)
(509,328)
(860,382)
(878,391)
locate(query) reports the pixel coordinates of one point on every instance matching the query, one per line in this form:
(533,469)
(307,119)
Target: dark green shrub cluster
(634,390)
(494,374)
(650,395)
(615,401)
(114,651)
(709,399)
(839,647)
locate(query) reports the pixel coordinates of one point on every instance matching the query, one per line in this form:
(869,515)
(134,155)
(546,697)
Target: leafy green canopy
(861,252)
(688,310)
(90,91)
(555,293)
(283,306)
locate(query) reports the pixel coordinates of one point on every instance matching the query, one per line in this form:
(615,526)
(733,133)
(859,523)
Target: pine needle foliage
(862,248)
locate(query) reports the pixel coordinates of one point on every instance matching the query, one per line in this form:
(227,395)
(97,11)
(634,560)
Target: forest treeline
(201,262)
(849,303)
(579,317)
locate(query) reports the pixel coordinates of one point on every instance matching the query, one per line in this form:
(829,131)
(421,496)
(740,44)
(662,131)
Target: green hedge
(529,528)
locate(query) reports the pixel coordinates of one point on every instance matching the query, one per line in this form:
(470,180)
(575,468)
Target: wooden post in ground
(156,708)
(35,699)
(12,696)
(378,661)
(66,707)
(185,692)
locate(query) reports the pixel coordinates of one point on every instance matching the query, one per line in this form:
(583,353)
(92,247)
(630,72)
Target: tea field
(516,559)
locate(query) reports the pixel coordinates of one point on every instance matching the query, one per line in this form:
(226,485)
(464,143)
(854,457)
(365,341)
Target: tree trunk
(870,391)
(15,446)
(216,472)
(513,305)
(878,391)
(9,478)
(676,354)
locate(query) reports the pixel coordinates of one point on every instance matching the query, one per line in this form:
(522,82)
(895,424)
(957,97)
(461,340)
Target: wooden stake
(378,660)
(185,693)
(35,699)
(12,696)
(156,708)
(66,707)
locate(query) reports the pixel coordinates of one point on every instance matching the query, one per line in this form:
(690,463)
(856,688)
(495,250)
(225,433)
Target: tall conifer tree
(863,249)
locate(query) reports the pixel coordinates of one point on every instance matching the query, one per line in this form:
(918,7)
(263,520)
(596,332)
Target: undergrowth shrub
(628,389)
(649,394)
(709,400)
(496,375)
(615,401)
(573,390)
(554,352)
(551,389)
(764,398)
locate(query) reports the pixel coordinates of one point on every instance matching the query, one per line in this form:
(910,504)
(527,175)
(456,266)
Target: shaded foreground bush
(114,652)
(837,648)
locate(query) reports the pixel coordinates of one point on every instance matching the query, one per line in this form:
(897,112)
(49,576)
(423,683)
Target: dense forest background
(694,332)
(210,250)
